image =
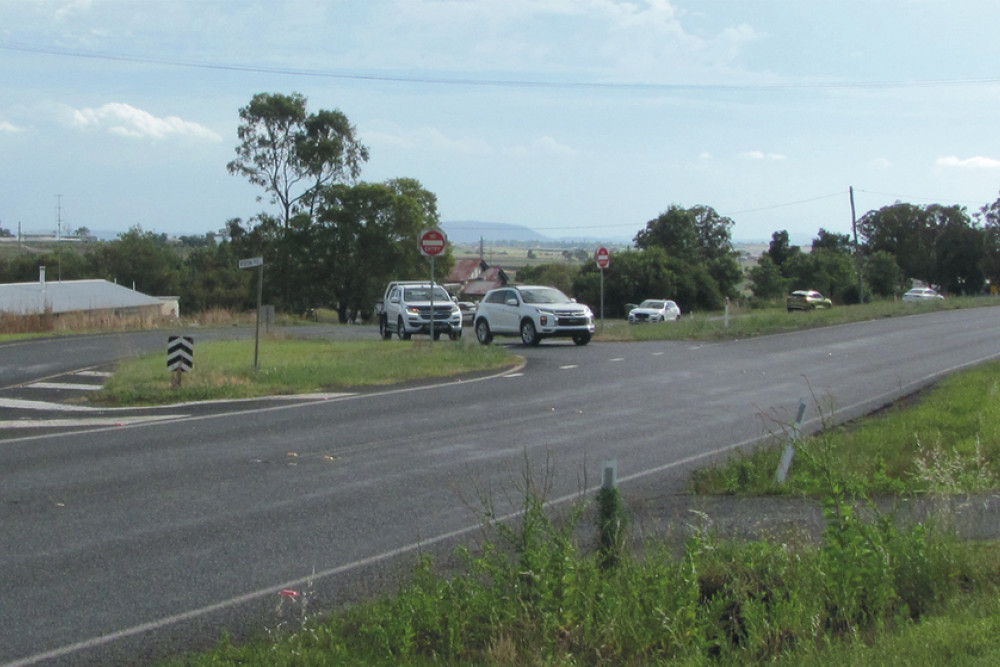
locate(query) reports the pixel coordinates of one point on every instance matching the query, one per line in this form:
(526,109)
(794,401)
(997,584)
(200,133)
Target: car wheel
(581,339)
(483,333)
(455,334)
(383,329)
(401,330)
(529,335)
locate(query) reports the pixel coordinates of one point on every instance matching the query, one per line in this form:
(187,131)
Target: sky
(570,117)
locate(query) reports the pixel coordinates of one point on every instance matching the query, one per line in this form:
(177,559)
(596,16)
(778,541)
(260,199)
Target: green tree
(363,236)
(960,251)
(905,231)
(839,243)
(139,259)
(883,274)
(292,154)
(990,216)
(699,237)
(211,278)
(648,274)
(559,275)
(781,249)
(766,280)
(827,271)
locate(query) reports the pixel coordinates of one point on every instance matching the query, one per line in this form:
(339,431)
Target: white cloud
(759,155)
(69,9)
(9,127)
(128,121)
(978,162)
(543,146)
(640,40)
(427,138)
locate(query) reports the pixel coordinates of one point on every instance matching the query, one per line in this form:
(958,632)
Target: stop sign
(602,258)
(432,242)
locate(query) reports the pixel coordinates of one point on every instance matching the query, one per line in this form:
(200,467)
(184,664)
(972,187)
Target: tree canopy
(292,154)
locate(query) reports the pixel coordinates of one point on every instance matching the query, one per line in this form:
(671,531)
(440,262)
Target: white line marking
(657,354)
(617,359)
(91,421)
(42,405)
(513,375)
(63,385)
(566,368)
(93,374)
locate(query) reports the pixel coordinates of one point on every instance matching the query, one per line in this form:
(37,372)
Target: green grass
(746,323)
(533,596)
(946,440)
(225,369)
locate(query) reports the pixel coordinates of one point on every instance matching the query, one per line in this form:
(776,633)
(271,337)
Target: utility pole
(857,249)
(58,237)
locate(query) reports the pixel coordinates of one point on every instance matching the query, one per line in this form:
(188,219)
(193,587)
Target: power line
(791,203)
(500,83)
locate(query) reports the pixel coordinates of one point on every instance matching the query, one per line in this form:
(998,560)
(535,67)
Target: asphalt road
(126,543)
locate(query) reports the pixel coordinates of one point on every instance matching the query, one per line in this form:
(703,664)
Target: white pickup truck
(405,310)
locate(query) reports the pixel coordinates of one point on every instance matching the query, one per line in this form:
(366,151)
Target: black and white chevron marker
(180,353)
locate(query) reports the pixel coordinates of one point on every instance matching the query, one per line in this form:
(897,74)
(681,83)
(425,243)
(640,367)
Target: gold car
(807,300)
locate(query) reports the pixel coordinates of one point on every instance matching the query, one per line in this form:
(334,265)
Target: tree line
(334,240)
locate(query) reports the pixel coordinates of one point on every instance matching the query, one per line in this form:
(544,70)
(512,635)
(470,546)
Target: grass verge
(944,440)
(746,323)
(224,370)
(533,596)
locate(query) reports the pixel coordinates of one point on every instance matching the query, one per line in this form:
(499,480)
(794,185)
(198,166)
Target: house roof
(491,278)
(69,296)
(465,270)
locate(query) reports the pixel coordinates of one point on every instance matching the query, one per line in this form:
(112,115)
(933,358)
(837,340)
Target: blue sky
(571,117)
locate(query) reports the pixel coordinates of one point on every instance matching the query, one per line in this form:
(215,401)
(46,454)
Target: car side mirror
(512,302)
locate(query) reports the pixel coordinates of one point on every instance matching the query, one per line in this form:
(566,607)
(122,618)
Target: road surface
(127,543)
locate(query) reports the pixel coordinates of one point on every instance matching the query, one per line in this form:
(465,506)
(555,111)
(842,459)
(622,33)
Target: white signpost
(249,264)
(603,259)
(432,242)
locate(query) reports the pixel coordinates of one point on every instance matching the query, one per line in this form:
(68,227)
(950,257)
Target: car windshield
(544,295)
(650,303)
(424,294)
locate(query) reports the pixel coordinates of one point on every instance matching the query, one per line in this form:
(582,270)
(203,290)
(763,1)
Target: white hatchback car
(655,310)
(921,294)
(532,312)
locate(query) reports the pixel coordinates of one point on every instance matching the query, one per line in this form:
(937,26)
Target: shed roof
(69,296)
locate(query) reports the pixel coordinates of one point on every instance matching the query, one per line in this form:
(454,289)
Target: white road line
(92,421)
(43,405)
(93,374)
(63,385)
(22,404)
(514,375)
(617,359)
(566,368)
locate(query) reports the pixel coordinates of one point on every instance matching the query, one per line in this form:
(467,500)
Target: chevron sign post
(180,356)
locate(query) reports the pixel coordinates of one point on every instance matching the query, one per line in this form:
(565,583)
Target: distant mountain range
(471,231)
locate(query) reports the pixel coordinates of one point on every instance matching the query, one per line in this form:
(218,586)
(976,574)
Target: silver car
(655,310)
(921,294)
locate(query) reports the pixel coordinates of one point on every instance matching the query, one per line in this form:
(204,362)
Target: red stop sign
(432,242)
(602,257)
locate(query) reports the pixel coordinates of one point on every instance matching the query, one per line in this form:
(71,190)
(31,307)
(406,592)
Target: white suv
(532,312)
(407,311)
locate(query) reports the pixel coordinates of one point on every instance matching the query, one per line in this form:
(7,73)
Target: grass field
(225,369)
